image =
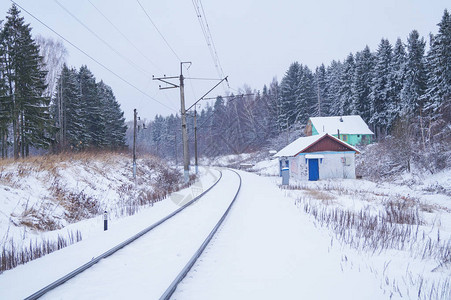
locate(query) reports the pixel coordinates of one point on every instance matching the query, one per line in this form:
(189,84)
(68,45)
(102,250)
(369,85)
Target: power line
(159,32)
(102,40)
(198,7)
(123,35)
(92,58)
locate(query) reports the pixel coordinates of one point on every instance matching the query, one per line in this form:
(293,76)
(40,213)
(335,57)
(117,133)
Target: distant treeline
(398,89)
(46,105)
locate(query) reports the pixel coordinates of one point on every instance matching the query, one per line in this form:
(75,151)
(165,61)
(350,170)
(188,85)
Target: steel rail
(95,260)
(171,289)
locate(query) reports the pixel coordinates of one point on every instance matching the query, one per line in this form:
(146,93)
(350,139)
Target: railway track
(162,265)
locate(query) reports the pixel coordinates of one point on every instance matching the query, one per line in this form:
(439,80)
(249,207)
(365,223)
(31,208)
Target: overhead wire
(92,58)
(159,32)
(200,13)
(167,43)
(123,35)
(102,40)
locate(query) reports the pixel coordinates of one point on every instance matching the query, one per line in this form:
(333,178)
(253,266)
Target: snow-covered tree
(346,82)
(323,102)
(399,77)
(306,99)
(114,122)
(361,85)
(289,91)
(438,91)
(381,95)
(25,78)
(414,85)
(333,87)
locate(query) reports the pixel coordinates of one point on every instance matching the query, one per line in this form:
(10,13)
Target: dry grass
(155,181)
(50,161)
(398,226)
(326,198)
(11,255)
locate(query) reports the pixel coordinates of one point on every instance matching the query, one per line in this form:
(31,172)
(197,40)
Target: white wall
(331,166)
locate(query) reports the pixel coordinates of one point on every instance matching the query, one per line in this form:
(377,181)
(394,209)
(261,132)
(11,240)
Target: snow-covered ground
(267,250)
(22,281)
(271,245)
(44,197)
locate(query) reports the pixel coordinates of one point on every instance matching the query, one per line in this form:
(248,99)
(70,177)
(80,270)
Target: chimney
(338,130)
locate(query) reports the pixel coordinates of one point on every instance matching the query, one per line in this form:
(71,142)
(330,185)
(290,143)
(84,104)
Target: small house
(351,129)
(317,157)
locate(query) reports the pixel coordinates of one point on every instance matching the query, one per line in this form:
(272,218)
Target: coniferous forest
(47,106)
(401,90)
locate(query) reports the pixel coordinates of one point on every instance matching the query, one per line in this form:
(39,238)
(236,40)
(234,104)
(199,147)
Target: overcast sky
(255,40)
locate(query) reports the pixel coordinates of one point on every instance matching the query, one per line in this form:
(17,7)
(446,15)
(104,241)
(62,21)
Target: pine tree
(381,95)
(415,76)
(289,91)
(25,77)
(114,128)
(91,110)
(5,105)
(67,111)
(361,86)
(438,91)
(399,78)
(323,102)
(333,87)
(346,81)
(306,100)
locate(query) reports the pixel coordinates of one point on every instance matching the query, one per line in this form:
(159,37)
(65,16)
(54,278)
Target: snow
(267,248)
(349,125)
(302,143)
(96,241)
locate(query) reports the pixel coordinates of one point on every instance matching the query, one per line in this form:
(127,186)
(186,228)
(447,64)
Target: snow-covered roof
(302,143)
(298,145)
(346,125)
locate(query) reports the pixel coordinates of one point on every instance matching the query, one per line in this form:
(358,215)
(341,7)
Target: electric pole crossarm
(164,79)
(201,98)
(232,96)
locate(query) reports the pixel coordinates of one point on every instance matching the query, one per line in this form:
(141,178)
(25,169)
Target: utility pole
(186,159)
(184,127)
(195,140)
(134,142)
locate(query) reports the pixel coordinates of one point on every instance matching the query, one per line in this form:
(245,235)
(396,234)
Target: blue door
(313,169)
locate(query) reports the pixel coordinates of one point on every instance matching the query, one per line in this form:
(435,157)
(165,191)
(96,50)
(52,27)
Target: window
(344,137)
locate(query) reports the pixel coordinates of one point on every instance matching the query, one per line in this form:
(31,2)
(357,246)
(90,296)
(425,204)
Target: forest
(46,106)
(401,90)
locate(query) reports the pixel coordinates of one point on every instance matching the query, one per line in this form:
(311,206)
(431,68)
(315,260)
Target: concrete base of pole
(197,169)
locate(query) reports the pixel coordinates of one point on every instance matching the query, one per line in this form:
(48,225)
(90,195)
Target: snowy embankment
(340,239)
(399,230)
(47,202)
(22,281)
